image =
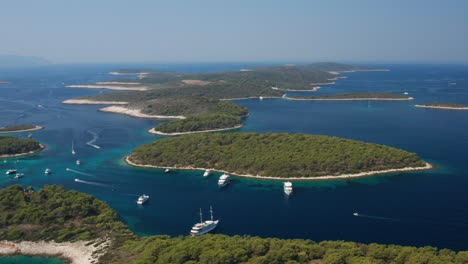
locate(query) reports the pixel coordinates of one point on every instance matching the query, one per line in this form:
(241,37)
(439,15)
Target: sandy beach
(350,99)
(443,107)
(75,252)
(84,101)
(154,131)
(109,87)
(129,73)
(24,154)
(325,177)
(135,112)
(24,130)
(123,83)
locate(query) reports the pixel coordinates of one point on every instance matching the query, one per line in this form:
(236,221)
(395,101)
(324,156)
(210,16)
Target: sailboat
(73,148)
(204,227)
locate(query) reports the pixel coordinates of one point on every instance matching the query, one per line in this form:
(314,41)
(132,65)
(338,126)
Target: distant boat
(77,180)
(261,98)
(29,135)
(405,93)
(18,175)
(207,173)
(67,169)
(142,199)
(223,180)
(8,172)
(48,171)
(73,148)
(288,188)
(167,171)
(355,214)
(78,162)
(204,227)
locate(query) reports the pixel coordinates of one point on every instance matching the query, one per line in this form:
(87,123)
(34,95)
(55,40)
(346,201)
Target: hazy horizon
(216,31)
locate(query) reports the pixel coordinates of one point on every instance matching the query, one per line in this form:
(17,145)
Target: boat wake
(377,217)
(91,142)
(93,183)
(79,172)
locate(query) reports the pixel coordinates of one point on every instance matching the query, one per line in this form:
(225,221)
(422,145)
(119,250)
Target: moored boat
(223,180)
(18,175)
(8,172)
(142,199)
(78,162)
(167,171)
(288,188)
(207,173)
(204,226)
(48,171)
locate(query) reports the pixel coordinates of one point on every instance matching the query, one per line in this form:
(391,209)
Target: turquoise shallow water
(30,260)
(416,208)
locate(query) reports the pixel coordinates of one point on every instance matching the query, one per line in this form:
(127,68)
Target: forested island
(82,229)
(13,147)
(354,96)
(275,156)
(1,81)
(449,106)
(19,128)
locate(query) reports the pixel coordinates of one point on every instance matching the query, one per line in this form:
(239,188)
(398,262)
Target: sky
(153,31)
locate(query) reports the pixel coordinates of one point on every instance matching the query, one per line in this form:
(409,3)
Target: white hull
(205,230)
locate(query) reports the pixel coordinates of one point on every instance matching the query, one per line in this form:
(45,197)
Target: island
(83,230)
(15,147)
(353,96)
(3,82)
(19,128)
(275,156)
(449,106)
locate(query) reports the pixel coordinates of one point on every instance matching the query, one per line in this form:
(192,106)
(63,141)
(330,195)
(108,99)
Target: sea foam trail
(79,172)
(91,142)
(93,183)
(378,217)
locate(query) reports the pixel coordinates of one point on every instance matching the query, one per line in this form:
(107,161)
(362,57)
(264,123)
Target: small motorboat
(78,162)
(355,214)
(207,173)
(48,171)
(8,172)
(167,171)
(18,175)
(142,199)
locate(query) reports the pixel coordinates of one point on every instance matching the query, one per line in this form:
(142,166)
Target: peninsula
(15,147)
(354,96)
(448,106)
(275,156)
(19,128)
(84,230)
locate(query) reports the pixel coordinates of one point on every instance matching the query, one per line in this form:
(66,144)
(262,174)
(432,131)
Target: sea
(424,208)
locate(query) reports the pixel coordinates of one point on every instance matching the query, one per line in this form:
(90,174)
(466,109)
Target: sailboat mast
(211,211)
(201,218)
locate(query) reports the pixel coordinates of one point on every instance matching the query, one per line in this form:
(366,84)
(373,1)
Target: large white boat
(223,180)
(207,173)
(48,171)
(288,188)
(167,171)
(8,172)
(204,227)
(356,214)
(142,199)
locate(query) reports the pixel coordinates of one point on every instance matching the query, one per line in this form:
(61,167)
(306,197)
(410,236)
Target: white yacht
(355,214)
(142,199)
(18,175)
(167,171)
(48,171)
(261,98)
(223,180)
(77,180)
(78,162)
(405,93)
(73,148)
(204,227)
(288,188)
(8,172)
(207,173)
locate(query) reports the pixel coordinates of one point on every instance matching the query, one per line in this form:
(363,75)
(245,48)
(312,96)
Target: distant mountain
(12,61)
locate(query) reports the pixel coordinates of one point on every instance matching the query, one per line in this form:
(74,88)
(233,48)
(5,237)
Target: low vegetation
(280,155)
(54,214)
(451,105)
(11,145)
(16,128)
(199,123)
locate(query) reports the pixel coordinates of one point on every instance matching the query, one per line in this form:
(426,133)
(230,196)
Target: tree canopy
(199,123)
(12,145)
(280,155)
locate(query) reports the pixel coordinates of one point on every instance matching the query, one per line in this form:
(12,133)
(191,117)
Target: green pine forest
(11,145)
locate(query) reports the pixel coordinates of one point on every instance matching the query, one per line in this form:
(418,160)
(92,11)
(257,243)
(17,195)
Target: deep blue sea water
(415,208)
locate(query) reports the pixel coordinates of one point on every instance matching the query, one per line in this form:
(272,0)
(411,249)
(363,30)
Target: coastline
(443,107)
(325,177)
(74,252)
(314,89)
(5,156)
(135,112)
(350,99)
(109,87)
(24,130)
(155,132)
(253,97)
(84,101)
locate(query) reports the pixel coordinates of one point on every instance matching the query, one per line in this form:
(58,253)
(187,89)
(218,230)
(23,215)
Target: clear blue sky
(238,30)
